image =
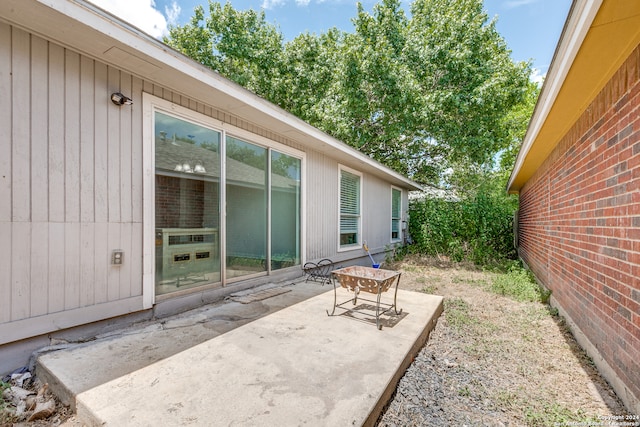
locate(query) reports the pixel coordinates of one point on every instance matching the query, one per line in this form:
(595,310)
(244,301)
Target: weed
(554,414)
(7,416)
(478,227)
(464,391)
(519,284)
(430,289)
(541,412)
(411,268)
(457,313)
(458,279)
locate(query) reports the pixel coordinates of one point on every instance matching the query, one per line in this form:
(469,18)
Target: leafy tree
(422,94)
(308,77)
(516,122)
(466,75)
(240,45)
(381,98)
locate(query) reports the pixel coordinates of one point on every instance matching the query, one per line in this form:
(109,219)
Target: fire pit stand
(370,280)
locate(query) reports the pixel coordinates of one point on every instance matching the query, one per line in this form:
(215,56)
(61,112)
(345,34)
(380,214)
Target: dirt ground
(499,361)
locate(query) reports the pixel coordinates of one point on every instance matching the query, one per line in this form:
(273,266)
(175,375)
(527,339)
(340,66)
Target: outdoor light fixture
(119,99)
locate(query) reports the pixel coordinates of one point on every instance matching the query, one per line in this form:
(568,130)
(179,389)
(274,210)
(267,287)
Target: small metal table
(366,279)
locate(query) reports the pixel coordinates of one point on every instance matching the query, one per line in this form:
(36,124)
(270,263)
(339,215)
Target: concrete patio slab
(294,366)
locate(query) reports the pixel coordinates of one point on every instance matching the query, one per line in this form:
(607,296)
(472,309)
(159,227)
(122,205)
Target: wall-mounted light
(119,99)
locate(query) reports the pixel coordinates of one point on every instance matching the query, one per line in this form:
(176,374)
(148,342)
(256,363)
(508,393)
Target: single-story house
(135,182)
(578,180)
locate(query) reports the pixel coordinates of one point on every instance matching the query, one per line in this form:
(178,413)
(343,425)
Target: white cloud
(172,13)
(537,76)
(140,13)
(270,4)
(303,2)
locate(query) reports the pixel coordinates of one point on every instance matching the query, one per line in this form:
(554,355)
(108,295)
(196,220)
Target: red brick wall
(186,203)
(579,223)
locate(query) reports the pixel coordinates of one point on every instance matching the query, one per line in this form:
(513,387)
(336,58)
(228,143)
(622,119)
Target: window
(396,214)
(349,208)
(227,206)
(246,208)
(187,211)
(286,203)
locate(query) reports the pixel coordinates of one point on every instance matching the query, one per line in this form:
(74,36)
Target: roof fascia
(581,16)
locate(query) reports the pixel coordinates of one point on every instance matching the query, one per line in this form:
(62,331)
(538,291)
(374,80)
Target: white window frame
(358,243)
(399,218)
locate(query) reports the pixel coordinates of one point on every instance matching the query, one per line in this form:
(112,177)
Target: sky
(531,28)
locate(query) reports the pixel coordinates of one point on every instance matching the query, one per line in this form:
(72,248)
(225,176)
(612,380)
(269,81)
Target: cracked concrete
(231,364)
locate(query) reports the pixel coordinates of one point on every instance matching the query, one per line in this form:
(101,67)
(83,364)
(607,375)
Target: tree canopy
(422,93)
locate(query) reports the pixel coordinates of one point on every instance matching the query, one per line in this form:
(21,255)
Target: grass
(520,285)
(517,346)
(456,312)
(554,414)
(542,412)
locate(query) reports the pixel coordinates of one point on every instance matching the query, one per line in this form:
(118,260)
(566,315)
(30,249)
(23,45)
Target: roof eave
(96,33)
(576,27)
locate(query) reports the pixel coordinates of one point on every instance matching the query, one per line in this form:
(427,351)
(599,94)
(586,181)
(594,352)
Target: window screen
(396,212)
(349,209)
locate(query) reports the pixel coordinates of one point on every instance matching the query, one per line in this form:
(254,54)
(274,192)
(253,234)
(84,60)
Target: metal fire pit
(370,280)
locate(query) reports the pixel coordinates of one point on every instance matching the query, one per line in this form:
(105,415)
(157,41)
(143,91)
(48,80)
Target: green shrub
(477,228)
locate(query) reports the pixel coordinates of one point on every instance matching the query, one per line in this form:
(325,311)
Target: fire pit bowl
(370,280)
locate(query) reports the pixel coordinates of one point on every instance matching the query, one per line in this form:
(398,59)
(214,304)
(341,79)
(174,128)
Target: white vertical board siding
(5,135)
(20,128)
(39,138)
(20,178)
(5,173)
(5,268)
(322,210)
(70,188)
(322,206)
(55,111)
(376,213)
(101,159)
(87,148)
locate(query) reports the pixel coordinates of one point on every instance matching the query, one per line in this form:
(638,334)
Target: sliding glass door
(202,173)
(285,210)
(262,188)
(187,187)
(246,191)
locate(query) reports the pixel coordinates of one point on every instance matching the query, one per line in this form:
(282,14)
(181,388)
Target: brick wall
(186,203)
(579,223)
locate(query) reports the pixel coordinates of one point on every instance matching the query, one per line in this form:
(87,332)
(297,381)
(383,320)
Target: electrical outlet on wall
(117,257)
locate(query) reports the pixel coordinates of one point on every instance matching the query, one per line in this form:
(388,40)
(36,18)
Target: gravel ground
(493,361)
